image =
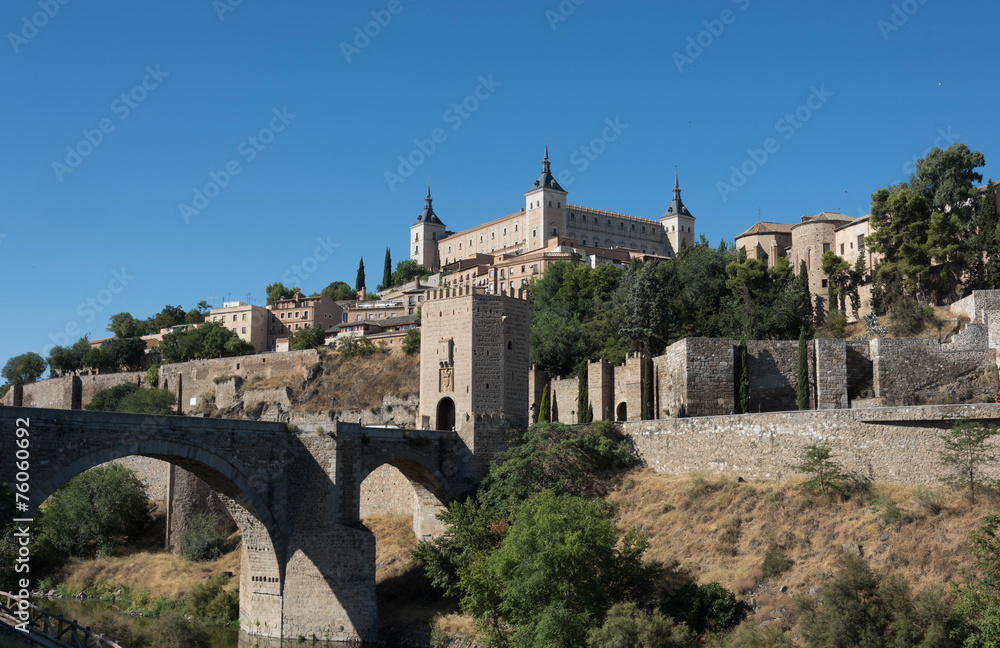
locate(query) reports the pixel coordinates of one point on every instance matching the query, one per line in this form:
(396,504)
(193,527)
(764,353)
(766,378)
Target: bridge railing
(68,632)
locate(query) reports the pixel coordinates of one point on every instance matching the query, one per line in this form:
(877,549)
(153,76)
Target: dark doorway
(445,414)
(622,412)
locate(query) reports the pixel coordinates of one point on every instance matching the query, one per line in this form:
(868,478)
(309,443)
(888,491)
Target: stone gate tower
(474,367)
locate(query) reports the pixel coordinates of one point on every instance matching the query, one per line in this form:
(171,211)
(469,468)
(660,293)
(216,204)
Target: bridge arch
(430,488)
(263,544)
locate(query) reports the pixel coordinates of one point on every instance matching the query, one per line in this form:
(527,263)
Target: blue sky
(117,113)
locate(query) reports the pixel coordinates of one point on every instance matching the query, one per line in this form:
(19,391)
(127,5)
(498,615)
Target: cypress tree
(647,388)
(582,394)
(544,408)
(802,284)
(359,283)
(744,377)
(802,375)
(387,271)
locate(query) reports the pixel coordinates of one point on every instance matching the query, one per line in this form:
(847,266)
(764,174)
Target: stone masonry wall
(710,388)
(563,393)
(884,444)
(600,387)
(859,370)
(671,372)
(906,368)
(831,373)
(774,382)
(628,389)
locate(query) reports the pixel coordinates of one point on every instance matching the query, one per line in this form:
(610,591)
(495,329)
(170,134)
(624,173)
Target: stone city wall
(904,368)
(885,444)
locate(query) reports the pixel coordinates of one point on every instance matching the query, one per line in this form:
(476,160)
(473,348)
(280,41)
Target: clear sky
(118,113)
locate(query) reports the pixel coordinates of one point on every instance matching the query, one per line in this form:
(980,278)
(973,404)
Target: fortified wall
(893,444)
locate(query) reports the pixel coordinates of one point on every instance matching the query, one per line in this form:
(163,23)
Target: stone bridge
(308,565)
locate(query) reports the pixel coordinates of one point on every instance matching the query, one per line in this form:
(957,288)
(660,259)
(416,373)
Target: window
(824,283)
(505,231)
(244,330)
(449,248)
(234,317)
(297,327)
(522,269)
(480,238)
(550,203)
(416,237)
(572,217)
(244,317)
(515,227)
(534,233)
(826,247)
(296,313)
(841,249)
(861,243)
(282,316)
(584,241)
(416,249)
(559,205)
(493,236)
(554,232)
(609,222)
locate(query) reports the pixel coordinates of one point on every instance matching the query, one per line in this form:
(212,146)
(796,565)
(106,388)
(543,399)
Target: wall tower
(678,221)
(424,235)
(545,204)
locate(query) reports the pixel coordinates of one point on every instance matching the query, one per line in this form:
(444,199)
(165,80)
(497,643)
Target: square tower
(474,367)
(677,221)
(424,235)
(545,205)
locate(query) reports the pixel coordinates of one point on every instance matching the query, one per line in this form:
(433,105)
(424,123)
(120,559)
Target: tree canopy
(24,369)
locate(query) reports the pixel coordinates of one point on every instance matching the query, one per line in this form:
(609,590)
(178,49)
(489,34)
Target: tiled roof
(766,227)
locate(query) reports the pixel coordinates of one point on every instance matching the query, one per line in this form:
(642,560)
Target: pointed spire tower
(545,206)
(677,221)
(425,233)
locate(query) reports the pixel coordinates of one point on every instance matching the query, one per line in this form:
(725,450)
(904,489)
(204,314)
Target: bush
(907,316)
(411,342)
(776,563)
(107,400)
(203,539)
(350,347)
(827,475)
(153,376)
(836,325)
(172,630)
(628,627)
(704,607)
(100,509)
(210,601)
(148,401)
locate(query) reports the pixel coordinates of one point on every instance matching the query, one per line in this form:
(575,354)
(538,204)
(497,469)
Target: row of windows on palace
(534,233)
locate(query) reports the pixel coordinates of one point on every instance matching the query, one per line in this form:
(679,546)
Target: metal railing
(63,631)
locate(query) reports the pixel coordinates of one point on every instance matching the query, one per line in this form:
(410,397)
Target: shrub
(203,539)
(704,607)
(626,626)
(148,401)
(907,316)
(153,376)
(210,601)
(107,400)
(350,347)
(172,630)
(827,475)
(931,500)
(411,341)
(776,563)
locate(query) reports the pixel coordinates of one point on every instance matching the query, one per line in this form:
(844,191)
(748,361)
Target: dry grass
(720,530)
(162,574)
(385,374)
(405,597)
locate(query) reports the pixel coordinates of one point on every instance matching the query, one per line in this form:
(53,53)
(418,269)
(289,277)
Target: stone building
(807,241)
(474,367)
(247,321)
(547,215)
(296,313)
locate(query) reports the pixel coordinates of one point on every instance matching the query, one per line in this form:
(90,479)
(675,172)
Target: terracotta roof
(767,227)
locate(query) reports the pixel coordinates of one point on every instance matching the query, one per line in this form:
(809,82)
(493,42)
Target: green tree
(125,353)
(210,340)
(407,271)
(987,239)
(626,626)
(979,599)
(966,453)
(947,179)
(647,388)
(387,272)
(359,282)
(557,572)
(860,608)
(827,476)
(24,369)
(167,317)
(899,219)
(802,373)
(411,341)
(338,291)
(642,310)
(65,360)
(310,337)
(123,325)
(545,407)
(838,273)
(278,291)
(96,511)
